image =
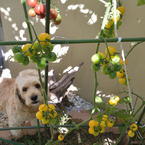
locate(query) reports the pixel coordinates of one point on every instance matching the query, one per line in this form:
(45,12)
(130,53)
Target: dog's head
(28,90)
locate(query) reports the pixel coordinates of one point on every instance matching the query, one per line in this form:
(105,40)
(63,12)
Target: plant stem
(23,2)
(132,49)
(103,2)
(97,49)
(43,90)
(39,132)
(95,89)
(71,130)
(105,18)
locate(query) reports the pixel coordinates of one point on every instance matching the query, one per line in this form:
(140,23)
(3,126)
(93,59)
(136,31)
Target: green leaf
(124,100)
(121,128)
(140,2)
(119,24)
(98,99)
(122,114)
(110,110)
(99,117)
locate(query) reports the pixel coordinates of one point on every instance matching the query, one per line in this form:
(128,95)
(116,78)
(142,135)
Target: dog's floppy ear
(18,100)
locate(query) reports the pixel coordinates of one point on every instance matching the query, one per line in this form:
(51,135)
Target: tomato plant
(18,57)
(117,66)
(96,58)
(110,123)
(42,8)
(53,14)
(110,50)
(28,49)
(26,61)
(45,120)
(41,16)
(51,107)
(43,107)
(112,75)
(16,49)
(53,114)
(112,102)
(131,133)
(51,57)
(42,63)
(95,67)
(106,70)
(39,115)
(37,8)
(44,38)
(121,9)
(47,47)
(32,3)
(93,123)
(60,137)
(57,20)
(32,12)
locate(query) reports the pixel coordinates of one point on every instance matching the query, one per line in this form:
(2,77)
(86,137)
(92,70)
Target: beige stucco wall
(81,20)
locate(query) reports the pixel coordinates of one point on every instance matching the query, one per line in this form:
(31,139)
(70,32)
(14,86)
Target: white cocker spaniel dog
(20,98)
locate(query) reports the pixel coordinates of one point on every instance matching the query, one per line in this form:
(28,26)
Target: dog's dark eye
(37,86)
(25,89)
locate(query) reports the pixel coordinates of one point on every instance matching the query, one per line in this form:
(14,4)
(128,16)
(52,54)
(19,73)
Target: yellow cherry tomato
(102,54)
(111,50)
(110,123)
(102,124)
(116,98)
(51,107)
(53,114)
(105,118)
(44,38)
(39,115)
(121,9)
(120,74)
(122,80)
(131,133)
(109,24)
(112,102)
(60,137)
(117,19)
(45,120)
(91,130)
(121,61)
(133,127)
(102,130)
(28,49)
(93,123)
(43,107)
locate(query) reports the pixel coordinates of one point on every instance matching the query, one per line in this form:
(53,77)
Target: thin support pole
(46,68)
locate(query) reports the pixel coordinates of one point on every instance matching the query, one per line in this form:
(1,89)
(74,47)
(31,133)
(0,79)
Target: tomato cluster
(39,9)
(133,128)
(121,74)
(111,64)
(114,100)
(96,127)
(47,114)
(39,52)
(109,31)
(109,60)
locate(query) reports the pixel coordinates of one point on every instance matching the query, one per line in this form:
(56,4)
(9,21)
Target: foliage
(140,2)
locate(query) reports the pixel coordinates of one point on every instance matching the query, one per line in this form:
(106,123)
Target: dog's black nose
(34,97)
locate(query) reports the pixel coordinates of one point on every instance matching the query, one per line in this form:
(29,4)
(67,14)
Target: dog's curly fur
(20,98)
